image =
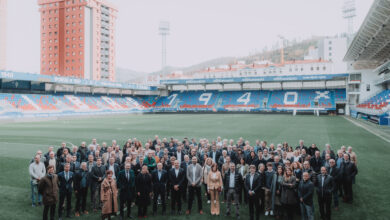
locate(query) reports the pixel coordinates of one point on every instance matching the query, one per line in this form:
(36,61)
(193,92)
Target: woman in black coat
(143,186)
(288,198)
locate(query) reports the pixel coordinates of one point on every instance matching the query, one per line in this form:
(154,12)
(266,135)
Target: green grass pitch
(19,142)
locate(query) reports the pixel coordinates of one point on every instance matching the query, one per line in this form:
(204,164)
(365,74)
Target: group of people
(277,180)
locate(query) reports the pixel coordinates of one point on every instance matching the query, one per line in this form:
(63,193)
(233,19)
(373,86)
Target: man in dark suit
(126,184)
(184,165)
(159,180)
(176,178)
(349,171)
(114,167)
(233,183)
(65,179)
(179,154)
(81,183)
(336,174)
(138,167)
(61,150)
(325,187)
(68,159)
(97,175)
(171,149)
(214,154)
(252,187)
(316,162)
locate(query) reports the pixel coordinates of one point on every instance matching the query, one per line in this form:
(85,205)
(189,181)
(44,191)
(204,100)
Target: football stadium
(299,131)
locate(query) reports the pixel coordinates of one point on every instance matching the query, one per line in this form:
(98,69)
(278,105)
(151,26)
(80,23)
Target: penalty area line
(367,129)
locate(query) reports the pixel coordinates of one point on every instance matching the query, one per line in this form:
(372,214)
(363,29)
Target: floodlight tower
(3,36)
(164,31)
(349,13)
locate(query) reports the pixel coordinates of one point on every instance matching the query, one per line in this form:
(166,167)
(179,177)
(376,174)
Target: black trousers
(125,200)
(46,209)
(176,199)
(192,190)
(289,211)
(184,191)
(254,205)
(207,192)
(348,195)
(81,199)
(161,193)
(68,197)
(324,203)
(242,194)
(142,210)
(262,199)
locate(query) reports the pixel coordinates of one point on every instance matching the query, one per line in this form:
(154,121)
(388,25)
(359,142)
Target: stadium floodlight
(163,31)
(349,12)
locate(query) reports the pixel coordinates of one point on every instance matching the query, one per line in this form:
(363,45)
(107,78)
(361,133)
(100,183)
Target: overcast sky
(200,29)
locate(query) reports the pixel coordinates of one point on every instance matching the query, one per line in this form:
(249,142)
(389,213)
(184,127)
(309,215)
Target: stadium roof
(10,75)
(371,44)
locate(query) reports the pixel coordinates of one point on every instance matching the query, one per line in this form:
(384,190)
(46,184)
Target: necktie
(67,176)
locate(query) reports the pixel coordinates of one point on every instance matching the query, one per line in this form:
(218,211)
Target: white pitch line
(359,125)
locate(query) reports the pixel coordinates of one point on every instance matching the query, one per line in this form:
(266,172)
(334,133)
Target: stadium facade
(78,38)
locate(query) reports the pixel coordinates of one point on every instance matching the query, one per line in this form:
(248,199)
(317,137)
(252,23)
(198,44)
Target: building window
(324,68)
(318,68)
(330,48)
(368,87)
(330,54)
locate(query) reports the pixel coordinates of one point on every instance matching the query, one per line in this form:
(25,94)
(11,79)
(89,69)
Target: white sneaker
(208,201)
(215,201)
(266,213)
(271,212)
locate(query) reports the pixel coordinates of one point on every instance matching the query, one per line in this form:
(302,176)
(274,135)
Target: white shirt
(323,178)
(214,154)
(193,173)
(178,154)
(231,180)
(177,172)
(251,180)
(111,167)
(242,170)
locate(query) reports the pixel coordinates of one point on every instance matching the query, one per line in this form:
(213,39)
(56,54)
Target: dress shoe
(86,212)
(77,214)
(201,212)
(187,212)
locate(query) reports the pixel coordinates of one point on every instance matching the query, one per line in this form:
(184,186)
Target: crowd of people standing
(275,180)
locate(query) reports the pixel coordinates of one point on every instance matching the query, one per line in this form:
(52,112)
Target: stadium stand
(186,101)
(378,101)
